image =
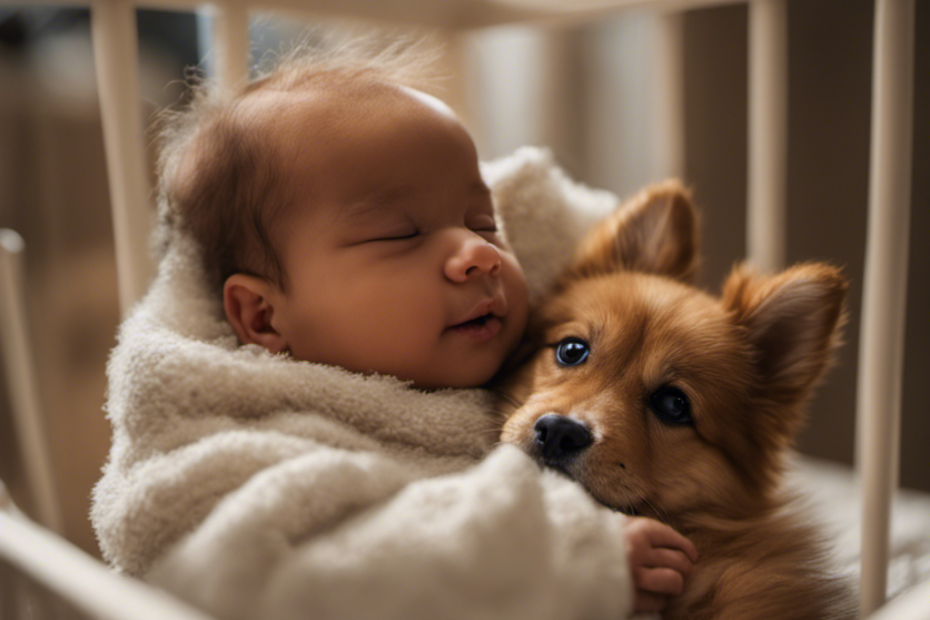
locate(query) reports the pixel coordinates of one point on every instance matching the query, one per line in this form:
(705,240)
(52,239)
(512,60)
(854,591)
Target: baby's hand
(660,561)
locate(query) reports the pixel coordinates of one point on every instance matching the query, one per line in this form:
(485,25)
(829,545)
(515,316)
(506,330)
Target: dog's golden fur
(747,362)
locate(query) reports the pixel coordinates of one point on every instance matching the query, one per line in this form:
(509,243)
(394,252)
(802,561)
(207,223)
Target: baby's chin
(426,373)
(455,378)
(451,382)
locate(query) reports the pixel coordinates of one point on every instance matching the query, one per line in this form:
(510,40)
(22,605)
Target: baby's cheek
(517,295)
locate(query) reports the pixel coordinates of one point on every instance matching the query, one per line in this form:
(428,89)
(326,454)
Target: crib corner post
(23,383)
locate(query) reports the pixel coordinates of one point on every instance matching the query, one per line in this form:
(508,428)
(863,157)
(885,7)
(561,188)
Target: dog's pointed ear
(793,321)
(653,232)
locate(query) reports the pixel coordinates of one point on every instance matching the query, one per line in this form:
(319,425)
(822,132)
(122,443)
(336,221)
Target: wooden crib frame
(882,332)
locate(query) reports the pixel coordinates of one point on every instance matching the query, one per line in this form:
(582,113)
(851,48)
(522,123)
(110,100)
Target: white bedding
(836,499)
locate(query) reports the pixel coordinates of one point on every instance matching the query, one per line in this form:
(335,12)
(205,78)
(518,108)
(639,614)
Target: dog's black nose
(560,437)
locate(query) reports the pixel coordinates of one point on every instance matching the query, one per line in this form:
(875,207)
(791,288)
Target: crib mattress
(836,500)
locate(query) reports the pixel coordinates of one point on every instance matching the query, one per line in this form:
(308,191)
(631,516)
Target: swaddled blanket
(257,486)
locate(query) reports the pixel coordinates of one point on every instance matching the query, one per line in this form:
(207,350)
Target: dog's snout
(560,437)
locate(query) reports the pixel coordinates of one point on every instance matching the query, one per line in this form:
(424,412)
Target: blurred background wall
(601,81)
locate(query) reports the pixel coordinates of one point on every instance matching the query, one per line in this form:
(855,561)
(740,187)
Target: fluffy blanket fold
(257,486)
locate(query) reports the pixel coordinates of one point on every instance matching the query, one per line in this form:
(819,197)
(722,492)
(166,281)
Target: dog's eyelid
(557,342)
(565,327)
(588,339)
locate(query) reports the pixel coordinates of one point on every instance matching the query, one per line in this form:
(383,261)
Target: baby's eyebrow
(391,195)
(384,199)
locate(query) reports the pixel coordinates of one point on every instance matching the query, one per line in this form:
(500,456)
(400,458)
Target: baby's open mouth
(477,322)
(481,328)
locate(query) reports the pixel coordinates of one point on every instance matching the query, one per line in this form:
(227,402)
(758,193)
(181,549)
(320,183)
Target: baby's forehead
(338,145)
(289,113)
(304,129)
(317,125)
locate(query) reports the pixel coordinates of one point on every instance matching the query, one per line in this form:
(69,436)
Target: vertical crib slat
(555,100)
(670,126)
(23,385)
(768,138)
(881,355)
(231,42)
(116,57)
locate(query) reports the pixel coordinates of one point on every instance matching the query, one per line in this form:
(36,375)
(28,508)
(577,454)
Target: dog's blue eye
(671,405)
(571,352)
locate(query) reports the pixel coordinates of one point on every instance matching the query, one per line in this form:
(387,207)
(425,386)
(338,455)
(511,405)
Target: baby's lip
(495,307)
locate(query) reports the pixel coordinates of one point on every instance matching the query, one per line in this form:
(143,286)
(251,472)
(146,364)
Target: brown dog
(667,402)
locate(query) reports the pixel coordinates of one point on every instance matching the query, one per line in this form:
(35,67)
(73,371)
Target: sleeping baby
(287,439)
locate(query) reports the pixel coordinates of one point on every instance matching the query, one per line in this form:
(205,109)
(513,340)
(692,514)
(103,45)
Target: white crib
(41,575)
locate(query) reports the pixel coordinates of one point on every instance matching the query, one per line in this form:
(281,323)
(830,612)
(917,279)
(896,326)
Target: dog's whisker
(501,395)
(492,433)
(661,515)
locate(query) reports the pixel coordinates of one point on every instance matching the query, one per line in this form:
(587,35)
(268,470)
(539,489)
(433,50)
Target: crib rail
(42,576)
(881,353)
(447,14)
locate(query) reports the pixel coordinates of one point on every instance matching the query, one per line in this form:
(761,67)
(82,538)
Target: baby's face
(393,258)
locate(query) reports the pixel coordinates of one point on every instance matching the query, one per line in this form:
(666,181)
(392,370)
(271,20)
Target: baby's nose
(473,257)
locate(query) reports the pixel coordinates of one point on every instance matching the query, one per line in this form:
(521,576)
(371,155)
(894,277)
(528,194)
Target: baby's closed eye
(482,223)
(394,235)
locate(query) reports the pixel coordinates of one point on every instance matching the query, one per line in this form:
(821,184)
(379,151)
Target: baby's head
(344,217)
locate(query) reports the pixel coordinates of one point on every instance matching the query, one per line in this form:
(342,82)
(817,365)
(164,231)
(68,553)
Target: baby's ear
(793,321)
(249,303)
(653,232)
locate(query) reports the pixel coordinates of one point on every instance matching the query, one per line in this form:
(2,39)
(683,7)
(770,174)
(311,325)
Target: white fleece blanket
(257,486)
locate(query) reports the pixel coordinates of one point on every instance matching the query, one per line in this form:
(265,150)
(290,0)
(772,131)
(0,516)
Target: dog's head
(657,397)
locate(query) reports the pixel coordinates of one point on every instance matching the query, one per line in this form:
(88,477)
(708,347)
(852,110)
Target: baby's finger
(665,536)
(669,558)
(660,581)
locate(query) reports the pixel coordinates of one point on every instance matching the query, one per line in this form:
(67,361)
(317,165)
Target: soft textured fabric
(257,486)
